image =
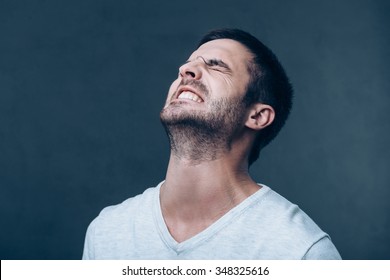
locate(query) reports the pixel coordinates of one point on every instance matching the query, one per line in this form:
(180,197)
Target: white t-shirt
(263,226)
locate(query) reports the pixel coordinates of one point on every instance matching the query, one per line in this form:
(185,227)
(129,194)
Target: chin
(177,112)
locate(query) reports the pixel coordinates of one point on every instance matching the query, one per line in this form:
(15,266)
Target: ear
(260,116)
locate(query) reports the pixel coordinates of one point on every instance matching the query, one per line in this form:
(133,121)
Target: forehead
(230,51)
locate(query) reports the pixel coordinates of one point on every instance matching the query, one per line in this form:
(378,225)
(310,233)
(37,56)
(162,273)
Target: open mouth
(189,94)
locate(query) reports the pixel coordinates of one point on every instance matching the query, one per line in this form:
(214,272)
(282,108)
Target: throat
(196,144)
(191,208)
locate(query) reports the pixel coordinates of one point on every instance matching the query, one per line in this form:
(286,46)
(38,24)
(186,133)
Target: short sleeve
(323,249)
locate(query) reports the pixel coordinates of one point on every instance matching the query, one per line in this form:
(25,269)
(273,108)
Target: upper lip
(188,88)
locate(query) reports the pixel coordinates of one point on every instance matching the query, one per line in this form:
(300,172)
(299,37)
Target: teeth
(190,95)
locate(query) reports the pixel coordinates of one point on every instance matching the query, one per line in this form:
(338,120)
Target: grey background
(82,84)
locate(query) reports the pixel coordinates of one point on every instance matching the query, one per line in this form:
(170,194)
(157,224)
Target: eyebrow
(213,62)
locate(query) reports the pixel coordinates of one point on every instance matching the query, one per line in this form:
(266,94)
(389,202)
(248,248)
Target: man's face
(214,78)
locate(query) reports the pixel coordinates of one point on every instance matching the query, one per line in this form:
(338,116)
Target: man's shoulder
(287,229)
(285,219)
(112,230)
(129,206)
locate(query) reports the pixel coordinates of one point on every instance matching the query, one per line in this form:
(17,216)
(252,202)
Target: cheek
(223,88)
(237,87)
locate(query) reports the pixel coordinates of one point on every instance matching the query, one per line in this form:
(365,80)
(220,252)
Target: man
(230,100)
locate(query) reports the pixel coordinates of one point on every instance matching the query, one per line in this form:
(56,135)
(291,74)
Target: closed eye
(218,63)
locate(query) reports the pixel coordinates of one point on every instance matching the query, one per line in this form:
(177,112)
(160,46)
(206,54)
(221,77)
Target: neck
(196,194)
(191,145)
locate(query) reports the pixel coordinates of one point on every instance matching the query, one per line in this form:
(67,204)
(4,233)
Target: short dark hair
(268,83)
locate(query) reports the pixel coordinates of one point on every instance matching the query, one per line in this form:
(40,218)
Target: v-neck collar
(210,231)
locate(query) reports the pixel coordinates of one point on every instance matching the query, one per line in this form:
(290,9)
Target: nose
(191,70)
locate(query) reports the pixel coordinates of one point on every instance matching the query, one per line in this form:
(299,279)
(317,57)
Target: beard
(203,135)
